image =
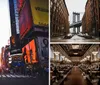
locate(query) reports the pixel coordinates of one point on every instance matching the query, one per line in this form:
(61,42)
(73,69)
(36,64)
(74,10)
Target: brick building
(91,18)
(96,10)
(59,18)
(88,16)
(84,23)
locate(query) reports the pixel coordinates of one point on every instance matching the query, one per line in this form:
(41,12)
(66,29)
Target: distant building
(4,59)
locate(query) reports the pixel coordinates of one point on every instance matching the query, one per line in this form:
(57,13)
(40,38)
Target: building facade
(84,23)
(91,21)
(96,17)
(4,60)
(32,30)
(88,16)
(59,18)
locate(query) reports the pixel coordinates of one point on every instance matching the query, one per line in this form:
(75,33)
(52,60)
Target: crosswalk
(14,76)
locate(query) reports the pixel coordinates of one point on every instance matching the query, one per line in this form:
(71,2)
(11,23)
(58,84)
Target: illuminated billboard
(39,10)
(20,4)
(43,50)
(29,52)
(25,19)
(15,44)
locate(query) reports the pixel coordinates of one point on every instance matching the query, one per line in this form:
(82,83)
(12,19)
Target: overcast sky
(75,6)
(4,23)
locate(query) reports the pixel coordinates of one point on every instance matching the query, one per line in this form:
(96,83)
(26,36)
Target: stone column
(78,29)
(74,30)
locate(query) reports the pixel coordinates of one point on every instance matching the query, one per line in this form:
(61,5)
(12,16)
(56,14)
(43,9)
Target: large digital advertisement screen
(43,50)
(20,4)
(39,10)
(25,19)
(29,52)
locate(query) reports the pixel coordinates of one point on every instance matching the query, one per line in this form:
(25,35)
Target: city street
(23,80)
(24,52)
(75,39)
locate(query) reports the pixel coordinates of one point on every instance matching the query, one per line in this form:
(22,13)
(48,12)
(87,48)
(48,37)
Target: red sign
(20,3)
(29,52)
(25,19)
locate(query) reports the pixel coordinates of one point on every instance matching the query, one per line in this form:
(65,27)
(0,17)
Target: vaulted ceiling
(74,50)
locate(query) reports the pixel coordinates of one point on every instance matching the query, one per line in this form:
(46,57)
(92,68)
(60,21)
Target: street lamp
(56,53)
(95,53)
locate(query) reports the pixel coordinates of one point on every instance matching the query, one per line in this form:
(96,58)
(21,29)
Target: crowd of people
(92,70)
(30,70)
(58,71)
